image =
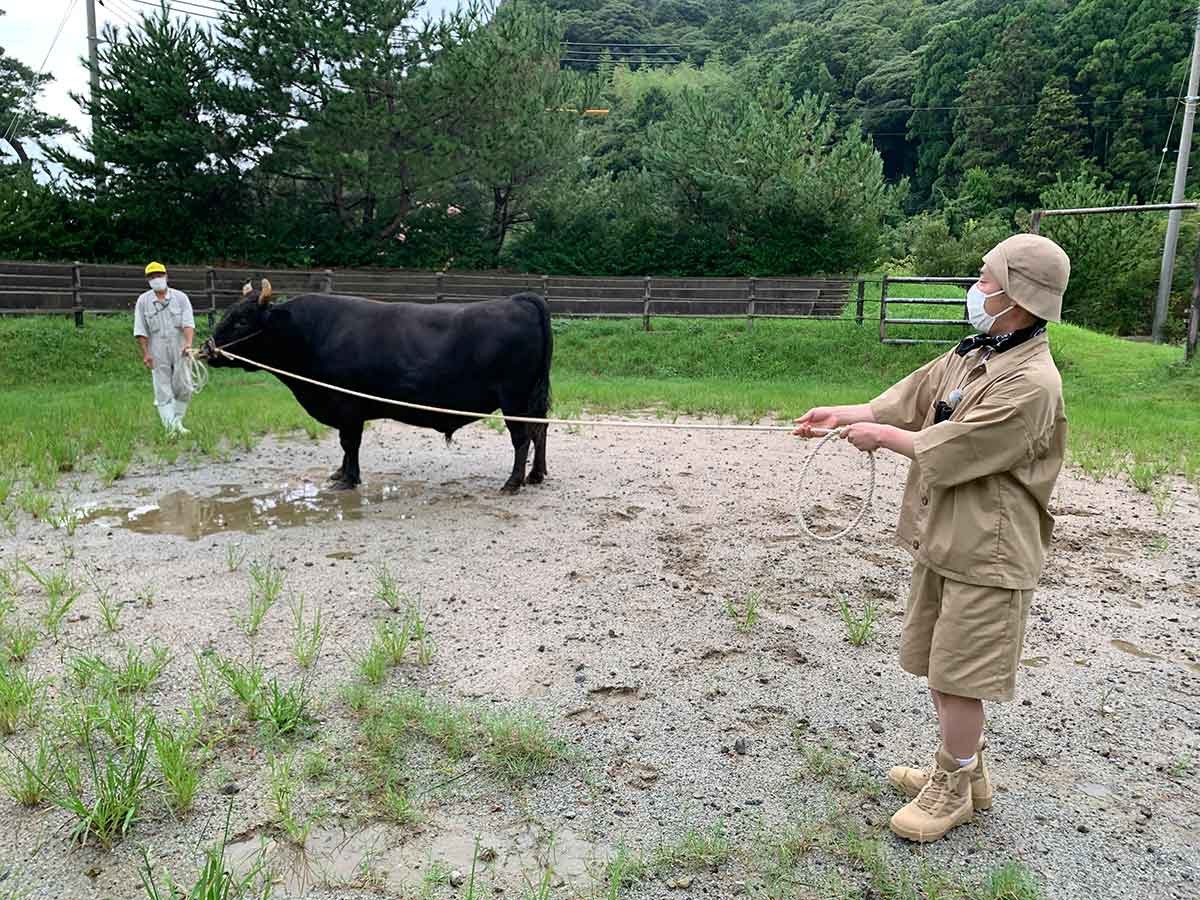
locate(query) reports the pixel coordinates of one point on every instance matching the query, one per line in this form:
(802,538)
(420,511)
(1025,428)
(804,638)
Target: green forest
(606,137)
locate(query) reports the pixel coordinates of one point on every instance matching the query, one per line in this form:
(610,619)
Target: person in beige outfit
(985,429)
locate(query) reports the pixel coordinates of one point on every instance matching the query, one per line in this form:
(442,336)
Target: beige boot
(943,803)
(910,780)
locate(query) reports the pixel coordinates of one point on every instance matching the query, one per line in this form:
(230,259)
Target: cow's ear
(264,296)
(246,289)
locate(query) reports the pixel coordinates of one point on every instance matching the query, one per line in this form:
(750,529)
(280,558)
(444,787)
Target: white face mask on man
(980,318)
(159,283)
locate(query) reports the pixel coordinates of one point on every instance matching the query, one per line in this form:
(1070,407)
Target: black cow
(478,357)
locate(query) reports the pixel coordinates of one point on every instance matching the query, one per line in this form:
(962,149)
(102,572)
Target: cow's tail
(539,396)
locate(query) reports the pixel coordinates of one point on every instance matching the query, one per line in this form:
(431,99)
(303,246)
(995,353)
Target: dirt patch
(599,602)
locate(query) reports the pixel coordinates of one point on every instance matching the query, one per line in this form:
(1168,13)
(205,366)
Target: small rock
(741,746)
(877,727)
(457,878)
(230,789)
(1082,829)
(580,678)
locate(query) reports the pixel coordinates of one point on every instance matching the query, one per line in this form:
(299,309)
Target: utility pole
(94,65)
(1177,192)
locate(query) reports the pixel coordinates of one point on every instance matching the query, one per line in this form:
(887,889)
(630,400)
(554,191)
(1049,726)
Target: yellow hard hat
(156,268)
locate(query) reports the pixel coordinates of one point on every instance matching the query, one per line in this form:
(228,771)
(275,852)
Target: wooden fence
(76,289)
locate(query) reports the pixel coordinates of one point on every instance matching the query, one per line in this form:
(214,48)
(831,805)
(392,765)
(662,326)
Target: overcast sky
(28,28)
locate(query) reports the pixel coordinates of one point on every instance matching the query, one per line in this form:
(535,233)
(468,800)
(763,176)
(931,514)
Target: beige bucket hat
(1033,271)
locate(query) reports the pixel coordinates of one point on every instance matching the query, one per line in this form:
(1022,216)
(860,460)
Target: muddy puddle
(1134,650)
(282,505)
(515,855)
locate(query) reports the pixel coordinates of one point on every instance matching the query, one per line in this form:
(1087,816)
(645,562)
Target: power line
(609,44)
(18,114)
(204,7)
(129,10)
(1167,143)
(169,8)
(219,9)
(623,59)
(851,107)
(115,11)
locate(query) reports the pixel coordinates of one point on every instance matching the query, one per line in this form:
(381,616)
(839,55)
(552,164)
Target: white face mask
(980,318)
(158,284)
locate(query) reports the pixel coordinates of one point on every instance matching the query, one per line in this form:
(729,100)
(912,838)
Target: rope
(830,435)
(592,423)
(197,371)
(534,420)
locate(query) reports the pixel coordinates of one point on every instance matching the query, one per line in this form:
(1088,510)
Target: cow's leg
(538,473)
(519,432)
(351,439)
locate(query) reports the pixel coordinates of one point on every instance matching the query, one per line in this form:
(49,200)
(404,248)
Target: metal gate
(885,320)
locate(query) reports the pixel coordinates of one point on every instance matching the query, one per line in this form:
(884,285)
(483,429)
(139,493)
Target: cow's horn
(265,294)
(246,289)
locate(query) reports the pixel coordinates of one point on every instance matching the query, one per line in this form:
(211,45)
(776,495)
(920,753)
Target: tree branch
(20,151)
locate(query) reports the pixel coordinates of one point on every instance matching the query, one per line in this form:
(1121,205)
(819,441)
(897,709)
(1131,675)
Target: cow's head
(242,323)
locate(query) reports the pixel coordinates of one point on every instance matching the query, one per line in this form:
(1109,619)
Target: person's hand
(865,436)
(816,422)
(183,354)
(147,360)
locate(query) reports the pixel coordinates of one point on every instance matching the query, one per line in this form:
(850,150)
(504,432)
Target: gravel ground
(599,601)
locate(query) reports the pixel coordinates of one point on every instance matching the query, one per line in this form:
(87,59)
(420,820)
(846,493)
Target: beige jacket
(975,506)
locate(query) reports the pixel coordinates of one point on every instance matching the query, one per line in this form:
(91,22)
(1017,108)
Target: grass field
(75,400)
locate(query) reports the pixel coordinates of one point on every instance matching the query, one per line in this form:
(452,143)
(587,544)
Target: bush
(937,251)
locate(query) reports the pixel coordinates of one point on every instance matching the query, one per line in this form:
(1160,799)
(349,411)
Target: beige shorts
(965,638)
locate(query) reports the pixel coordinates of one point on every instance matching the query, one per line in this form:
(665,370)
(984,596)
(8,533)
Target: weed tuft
(284,711)
(118,785)
(20,694)
(19,642)
(60,591)
(284,786)
(308,636)
(173,747)
(859,628)
(244,681)
(31,779)
(387,588)
(744,615)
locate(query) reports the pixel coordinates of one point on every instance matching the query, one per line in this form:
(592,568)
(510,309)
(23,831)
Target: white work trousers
(171,378)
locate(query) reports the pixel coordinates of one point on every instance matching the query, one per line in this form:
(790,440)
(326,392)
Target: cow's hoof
(535,478)
(343,484)
(511,487)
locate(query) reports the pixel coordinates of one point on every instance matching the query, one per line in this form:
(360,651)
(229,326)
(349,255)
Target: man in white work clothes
(164,328)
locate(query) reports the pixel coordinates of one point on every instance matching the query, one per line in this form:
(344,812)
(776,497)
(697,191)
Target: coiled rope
(200,378)
(862,511)
(197,371)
